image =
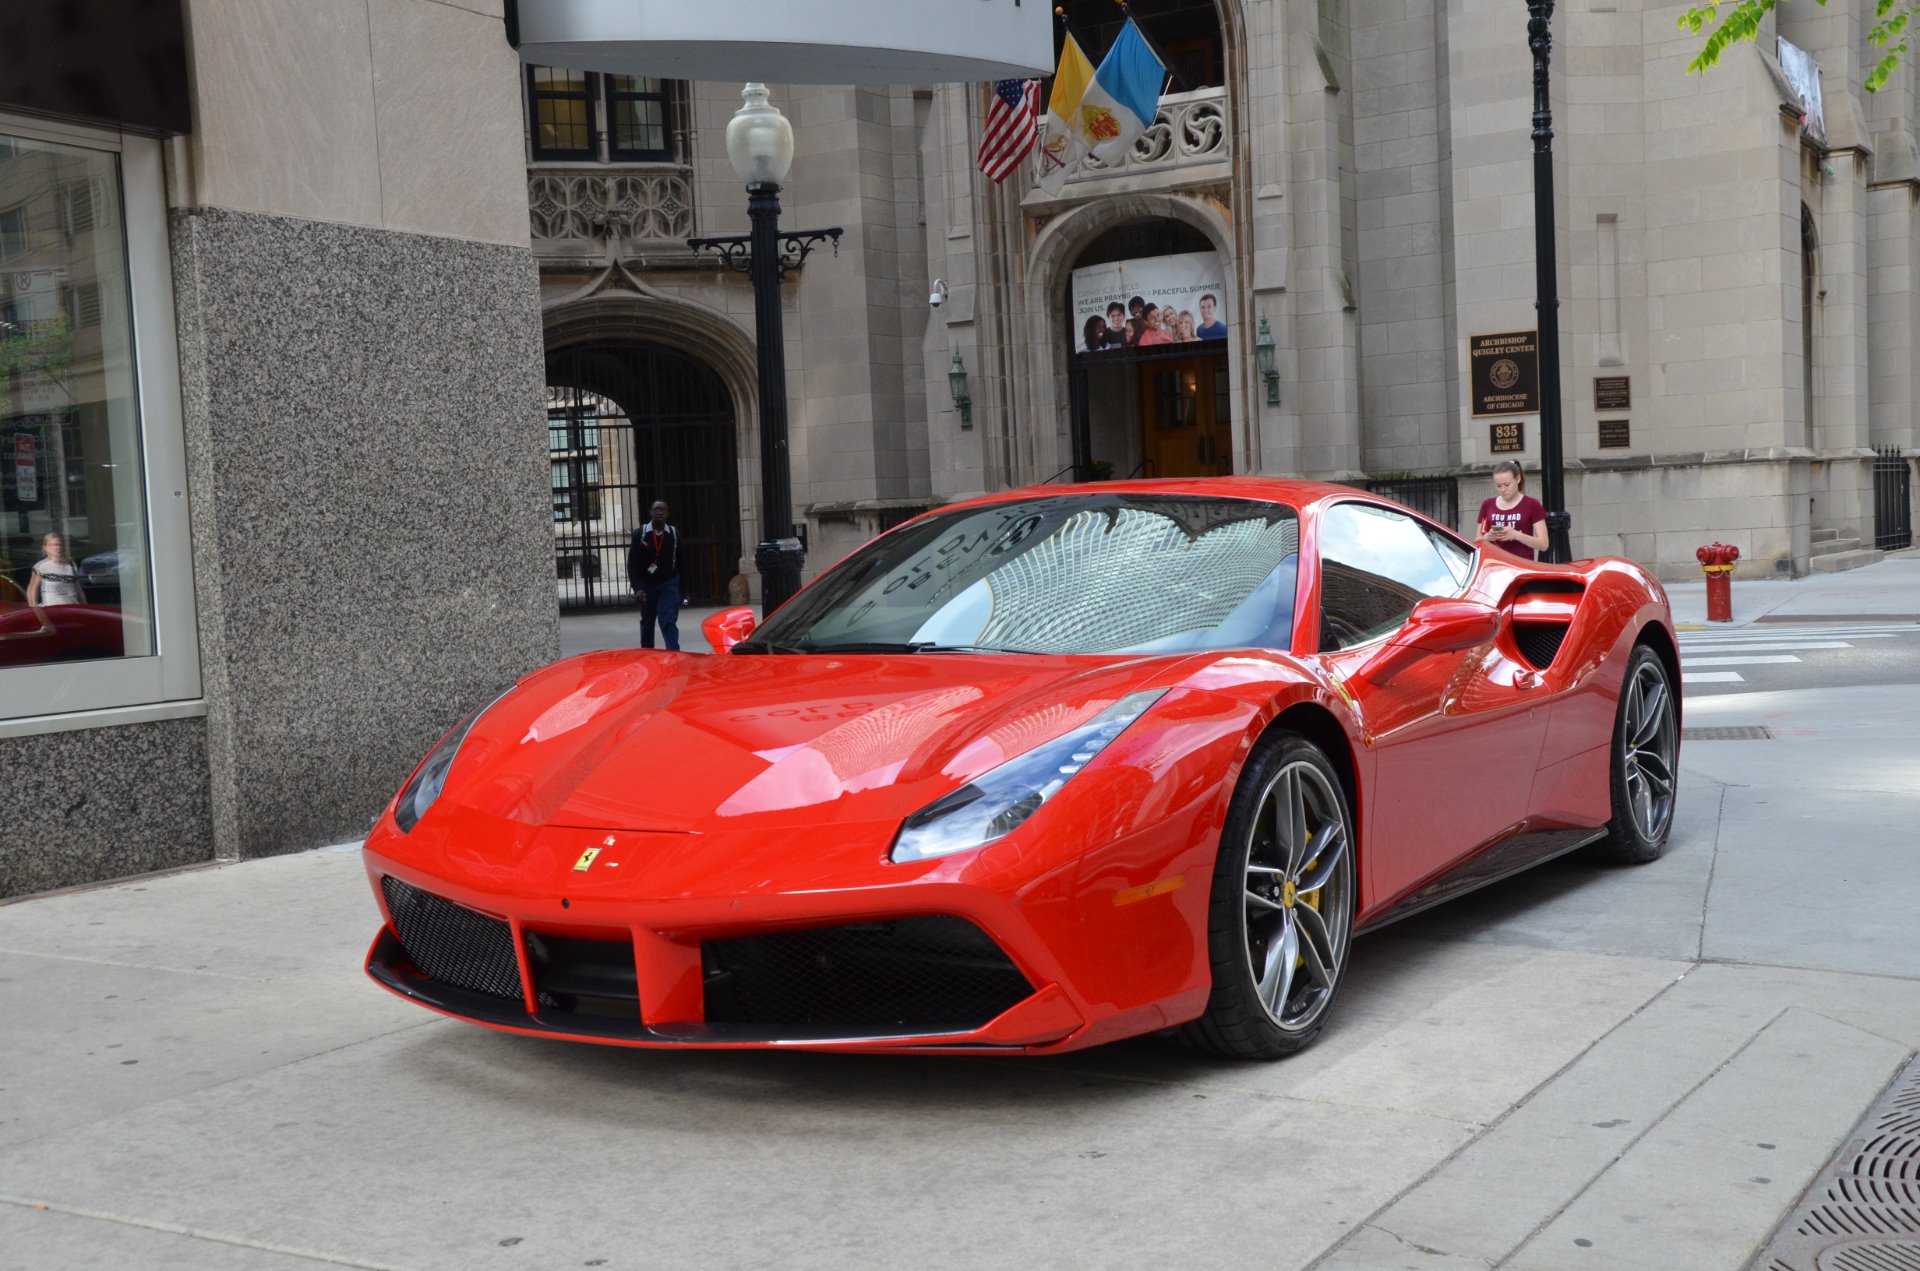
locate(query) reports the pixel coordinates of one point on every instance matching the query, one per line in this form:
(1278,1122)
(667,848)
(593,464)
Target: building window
(639,118)
(586,116)
(13,232)
(93,567)
(1186,33)
(561,106)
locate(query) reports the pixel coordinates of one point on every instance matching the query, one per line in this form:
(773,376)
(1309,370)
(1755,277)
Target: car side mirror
(1438,624)
(728,628)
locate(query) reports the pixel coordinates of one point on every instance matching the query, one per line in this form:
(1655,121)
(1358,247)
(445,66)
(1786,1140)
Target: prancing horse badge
(585,862)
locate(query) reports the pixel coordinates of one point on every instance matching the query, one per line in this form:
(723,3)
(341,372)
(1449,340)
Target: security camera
(939,296)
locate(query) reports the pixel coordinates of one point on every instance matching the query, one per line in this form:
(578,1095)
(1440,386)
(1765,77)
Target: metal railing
(1892,500)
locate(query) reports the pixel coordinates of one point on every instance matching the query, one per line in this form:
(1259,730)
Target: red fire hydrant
(1717,560)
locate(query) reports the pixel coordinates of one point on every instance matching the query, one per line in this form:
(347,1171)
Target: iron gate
(1892,500)
(1436,498)
(628,423)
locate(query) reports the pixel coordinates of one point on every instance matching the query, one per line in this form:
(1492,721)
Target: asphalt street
(1584,1067)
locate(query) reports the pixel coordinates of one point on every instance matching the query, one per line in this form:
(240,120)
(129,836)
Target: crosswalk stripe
(1757,646)
(1712,677)
(1784,631)
(1742,659)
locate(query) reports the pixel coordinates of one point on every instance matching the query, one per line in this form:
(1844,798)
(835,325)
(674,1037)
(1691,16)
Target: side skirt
(1500,859)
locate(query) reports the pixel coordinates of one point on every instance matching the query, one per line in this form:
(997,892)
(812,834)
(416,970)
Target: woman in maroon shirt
(1513,518)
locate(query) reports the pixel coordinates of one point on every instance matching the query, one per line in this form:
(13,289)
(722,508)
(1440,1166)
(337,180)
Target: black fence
(628,423)
(1436,498)
(1892,500)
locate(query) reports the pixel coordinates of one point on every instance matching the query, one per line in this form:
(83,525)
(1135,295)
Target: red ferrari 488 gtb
(1035,772)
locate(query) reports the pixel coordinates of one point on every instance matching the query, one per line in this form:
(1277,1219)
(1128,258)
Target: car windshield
(1070,573)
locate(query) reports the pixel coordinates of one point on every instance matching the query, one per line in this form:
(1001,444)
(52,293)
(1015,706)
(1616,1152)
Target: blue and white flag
(1122,100)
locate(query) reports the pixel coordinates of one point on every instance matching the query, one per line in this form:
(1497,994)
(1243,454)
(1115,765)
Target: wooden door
(1185,418)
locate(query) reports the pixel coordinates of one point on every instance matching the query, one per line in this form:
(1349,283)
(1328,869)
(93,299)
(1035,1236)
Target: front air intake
(903,975)
(453,944)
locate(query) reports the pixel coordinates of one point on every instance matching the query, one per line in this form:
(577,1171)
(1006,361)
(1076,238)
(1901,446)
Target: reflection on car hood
(633,740)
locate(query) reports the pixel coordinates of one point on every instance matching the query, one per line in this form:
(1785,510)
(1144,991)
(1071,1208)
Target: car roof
(1296,493)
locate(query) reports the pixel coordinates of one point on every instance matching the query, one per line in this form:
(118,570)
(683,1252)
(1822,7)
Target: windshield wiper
(767,646)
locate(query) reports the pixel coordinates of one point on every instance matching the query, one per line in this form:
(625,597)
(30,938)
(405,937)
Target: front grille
(908,975)
(1539,641)
(453,944)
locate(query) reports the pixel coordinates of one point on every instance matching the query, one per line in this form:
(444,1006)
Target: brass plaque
(1613,392)
(1508,437)
(1505,371)
(1615,434)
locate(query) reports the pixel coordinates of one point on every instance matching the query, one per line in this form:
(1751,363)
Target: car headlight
(431,776)
(998,802)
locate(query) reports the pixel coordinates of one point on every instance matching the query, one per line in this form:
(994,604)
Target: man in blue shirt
(1210,328)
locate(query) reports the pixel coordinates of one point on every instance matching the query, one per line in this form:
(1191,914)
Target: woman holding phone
(1513,518)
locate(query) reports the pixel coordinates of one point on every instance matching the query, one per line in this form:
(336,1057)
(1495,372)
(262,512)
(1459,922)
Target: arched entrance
(629,422)
(1149,379)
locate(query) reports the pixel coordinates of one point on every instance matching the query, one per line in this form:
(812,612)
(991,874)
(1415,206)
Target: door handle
(1526,679)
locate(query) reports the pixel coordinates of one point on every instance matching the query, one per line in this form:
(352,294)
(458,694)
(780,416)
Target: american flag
(1012,125)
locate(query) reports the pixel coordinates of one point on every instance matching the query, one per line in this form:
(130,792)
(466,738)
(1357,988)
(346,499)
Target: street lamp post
(1547,288)
(760,146)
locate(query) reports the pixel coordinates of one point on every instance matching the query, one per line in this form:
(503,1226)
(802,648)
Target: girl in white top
(56,580)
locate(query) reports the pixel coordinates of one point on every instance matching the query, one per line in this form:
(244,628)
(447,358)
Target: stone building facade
(1363,172)
(270,344)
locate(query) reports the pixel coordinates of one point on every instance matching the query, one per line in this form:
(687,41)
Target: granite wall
(366,445)
(102,803)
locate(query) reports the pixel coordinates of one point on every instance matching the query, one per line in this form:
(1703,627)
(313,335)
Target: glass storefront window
(74,578)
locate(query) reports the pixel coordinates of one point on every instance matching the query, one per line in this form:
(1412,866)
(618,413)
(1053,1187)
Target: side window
(1375,566)
(1457,556)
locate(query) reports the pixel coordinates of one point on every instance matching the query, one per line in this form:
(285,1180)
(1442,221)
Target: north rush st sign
(1505,372)
(778,41)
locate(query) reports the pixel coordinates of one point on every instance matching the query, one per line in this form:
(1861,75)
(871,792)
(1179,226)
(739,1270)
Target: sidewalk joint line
(191,1233)
(1713,866)
(1379,1212)
(1635,1140)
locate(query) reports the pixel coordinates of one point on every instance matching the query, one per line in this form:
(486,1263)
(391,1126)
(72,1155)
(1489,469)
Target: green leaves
(1742,22)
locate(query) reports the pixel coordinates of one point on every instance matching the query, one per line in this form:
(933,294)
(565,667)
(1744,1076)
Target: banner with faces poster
(1152,302)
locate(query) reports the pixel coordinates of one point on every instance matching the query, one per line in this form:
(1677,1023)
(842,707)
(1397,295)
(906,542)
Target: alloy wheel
(1652,740)
(1298,895)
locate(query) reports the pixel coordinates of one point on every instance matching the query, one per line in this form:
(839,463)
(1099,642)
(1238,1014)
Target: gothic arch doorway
(629,422)
(1149,379)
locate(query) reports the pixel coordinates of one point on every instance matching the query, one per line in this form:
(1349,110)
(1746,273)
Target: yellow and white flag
(1061,146)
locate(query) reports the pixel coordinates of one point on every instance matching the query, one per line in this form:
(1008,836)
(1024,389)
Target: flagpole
(1179,80)
(1066,24)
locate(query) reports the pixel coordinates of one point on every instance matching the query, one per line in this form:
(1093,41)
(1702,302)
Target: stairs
(1833,551)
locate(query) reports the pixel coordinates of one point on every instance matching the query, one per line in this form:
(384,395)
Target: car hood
(680,742)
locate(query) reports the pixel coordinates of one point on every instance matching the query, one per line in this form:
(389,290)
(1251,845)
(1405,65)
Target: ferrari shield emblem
(586,860)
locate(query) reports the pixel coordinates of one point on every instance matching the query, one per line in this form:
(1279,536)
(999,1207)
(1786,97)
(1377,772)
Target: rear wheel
(1645,772)
(1280,922)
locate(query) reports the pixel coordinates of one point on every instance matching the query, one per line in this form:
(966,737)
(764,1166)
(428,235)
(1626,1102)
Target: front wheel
(1645,769)
(1280,922)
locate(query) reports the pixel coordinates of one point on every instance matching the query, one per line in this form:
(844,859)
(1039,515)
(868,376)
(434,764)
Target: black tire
(1256,901)
(1644,773)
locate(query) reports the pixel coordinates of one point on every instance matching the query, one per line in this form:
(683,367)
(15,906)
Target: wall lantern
(957,381)
(1263,355)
